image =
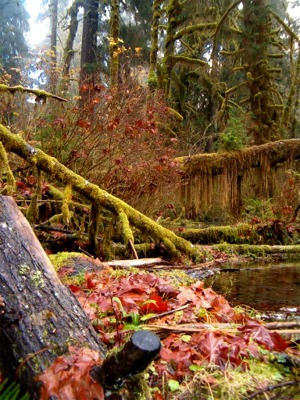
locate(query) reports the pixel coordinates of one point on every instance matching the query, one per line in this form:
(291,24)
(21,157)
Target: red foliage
(156,305)
(270,340)
(68,377)
(103,296)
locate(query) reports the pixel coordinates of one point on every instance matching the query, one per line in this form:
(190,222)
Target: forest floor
(210,350)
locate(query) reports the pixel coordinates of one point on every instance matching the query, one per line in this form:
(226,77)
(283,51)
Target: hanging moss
(32,213)
(214,180)
(67,215)
(10,186)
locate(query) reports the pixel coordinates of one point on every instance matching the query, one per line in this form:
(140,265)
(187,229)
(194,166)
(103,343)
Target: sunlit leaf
(173,385)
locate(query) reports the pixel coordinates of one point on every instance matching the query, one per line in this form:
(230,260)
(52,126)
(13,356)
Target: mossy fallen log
(218,234)
(273,233)
(173,245)
(259,250)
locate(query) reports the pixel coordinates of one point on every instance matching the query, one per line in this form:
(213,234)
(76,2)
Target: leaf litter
(198,328)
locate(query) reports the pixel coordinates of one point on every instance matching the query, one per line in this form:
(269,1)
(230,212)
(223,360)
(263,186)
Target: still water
(263,287)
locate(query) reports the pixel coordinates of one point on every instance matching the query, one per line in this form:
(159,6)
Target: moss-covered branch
(188,60)
(41,95)
(194,28)
(173,244)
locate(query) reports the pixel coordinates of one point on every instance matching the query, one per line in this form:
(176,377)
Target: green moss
(38,280)
(5,169)
(32,212)
(60,260)
(67,215)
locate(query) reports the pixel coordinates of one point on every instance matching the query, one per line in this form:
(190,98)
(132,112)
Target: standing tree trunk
(156,15)
(114,42)
(260,76)
(88,62)
(53,46)
(40,317)
(173,12)
(68,50)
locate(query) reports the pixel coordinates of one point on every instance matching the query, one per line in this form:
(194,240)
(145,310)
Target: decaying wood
(133,358)
(137,263)
(39,316)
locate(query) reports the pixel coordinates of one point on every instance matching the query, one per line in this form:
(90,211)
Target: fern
(11,391)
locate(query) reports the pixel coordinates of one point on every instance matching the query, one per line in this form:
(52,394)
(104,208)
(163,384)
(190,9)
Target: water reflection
(263,287)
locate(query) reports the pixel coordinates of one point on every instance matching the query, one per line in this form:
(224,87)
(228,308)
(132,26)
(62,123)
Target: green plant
(11,391)
(235,135)
(259,208)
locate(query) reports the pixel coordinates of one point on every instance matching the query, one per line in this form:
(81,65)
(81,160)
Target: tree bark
(68,49)
(39,316)
(88,61)
(53,45)
(114,42)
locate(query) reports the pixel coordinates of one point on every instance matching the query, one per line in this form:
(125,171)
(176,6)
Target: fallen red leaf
(68,377)
(156,305)
(270,340)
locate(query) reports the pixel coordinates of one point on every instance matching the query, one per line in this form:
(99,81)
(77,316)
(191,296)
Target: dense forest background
(127,132)
(147,82)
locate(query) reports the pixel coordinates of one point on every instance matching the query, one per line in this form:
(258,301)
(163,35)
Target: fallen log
(39,317)
(171,244)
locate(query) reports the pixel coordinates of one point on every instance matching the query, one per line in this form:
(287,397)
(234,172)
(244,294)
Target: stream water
(271,289)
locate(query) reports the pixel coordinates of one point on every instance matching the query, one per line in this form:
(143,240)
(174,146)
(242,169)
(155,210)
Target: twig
(282,325)
(167,312)
(133,250)
(270,388)
(29,357)
(44,227)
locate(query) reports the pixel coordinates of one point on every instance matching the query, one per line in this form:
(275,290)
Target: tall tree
(88,64)
(13,47)
(263,98)
(156,16)
(53,44)
(114,41)
(260,55)
(68,52)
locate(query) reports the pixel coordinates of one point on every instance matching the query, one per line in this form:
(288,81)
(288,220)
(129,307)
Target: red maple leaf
(270,340)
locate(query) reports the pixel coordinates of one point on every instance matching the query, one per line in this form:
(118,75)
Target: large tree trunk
(88,61)
(68,49)
(114,43)
(40,317)
(53,45)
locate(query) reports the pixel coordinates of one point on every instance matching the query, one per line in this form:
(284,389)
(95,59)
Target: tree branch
(174,246)
(41,95)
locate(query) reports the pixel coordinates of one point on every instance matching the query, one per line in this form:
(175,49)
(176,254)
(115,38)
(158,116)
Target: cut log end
(132,359)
